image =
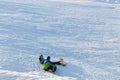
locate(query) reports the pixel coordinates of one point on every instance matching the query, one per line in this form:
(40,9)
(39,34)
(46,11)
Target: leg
(41,59)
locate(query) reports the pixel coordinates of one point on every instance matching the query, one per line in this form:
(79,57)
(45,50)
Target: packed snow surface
(86,33)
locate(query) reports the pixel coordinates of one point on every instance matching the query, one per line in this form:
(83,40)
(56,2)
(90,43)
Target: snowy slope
(86,33)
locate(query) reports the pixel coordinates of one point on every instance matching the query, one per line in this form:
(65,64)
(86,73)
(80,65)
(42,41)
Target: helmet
(48,57)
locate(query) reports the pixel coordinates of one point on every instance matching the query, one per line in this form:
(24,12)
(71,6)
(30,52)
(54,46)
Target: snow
(85,33)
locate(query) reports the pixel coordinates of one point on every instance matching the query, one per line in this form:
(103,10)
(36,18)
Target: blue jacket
(48,61)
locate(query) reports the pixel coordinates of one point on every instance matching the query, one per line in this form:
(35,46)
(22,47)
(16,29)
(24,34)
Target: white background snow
(86,33)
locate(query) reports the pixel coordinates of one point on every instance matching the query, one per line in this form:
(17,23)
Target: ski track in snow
(86,33)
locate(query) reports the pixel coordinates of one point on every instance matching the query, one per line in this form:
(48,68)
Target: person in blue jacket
(49,65)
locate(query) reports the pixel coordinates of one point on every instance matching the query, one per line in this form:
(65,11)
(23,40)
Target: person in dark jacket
(49,65)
